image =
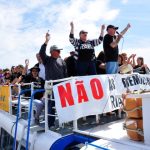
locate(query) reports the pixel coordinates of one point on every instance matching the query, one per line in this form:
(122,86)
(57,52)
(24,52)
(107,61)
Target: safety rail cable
(17,118)
(132,110)
(137,130)
(99,147)
(29,115)
(61,80)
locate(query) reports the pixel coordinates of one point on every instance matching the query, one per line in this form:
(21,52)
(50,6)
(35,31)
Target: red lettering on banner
(96,88)
(65,95)
(82,95)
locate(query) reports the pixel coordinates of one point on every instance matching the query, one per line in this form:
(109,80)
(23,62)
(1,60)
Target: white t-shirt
(42,71)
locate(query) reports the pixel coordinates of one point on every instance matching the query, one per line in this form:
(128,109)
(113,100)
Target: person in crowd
(71,64)
(39,84)
(19,71)
(129,60)
(120,60)
(110,45)
(41,66)
(100,63)
(13,69)
(13,73)
(1,76)
(7,77)
(141,67)
(85,51)
(55,68)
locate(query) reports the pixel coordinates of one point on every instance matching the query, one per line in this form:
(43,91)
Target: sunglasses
(34,71)
(58,51)
(84,33)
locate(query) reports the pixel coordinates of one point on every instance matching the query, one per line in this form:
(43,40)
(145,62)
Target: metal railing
(17,117)
(30,114)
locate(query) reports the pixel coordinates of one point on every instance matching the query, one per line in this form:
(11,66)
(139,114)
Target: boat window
(6,141)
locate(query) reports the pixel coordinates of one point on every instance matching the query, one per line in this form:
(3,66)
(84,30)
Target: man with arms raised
(85,51)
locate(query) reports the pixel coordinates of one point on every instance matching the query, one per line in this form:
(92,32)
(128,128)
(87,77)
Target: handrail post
(75,124)
(47,94)
(10,100)
(32,113)
(30,116)
(46,111)
(17,118)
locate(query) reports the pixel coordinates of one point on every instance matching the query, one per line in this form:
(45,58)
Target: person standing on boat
(110,45)
(41,66)
(33,76)
(55,68)
(85,51)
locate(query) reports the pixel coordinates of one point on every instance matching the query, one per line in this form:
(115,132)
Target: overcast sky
(23,24)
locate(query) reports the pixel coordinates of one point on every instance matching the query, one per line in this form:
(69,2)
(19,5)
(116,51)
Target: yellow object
(4,98)
(133,107)
(134,128)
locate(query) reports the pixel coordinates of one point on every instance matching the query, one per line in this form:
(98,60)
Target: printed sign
(91,95)
(4,98)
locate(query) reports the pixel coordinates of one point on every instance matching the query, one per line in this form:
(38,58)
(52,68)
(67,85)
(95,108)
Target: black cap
(112,26)
(82,31)
(35,67)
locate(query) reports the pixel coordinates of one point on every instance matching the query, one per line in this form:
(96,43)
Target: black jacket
(54,68)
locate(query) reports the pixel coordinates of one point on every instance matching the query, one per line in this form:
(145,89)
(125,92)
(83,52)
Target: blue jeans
(86,68)
(112,67)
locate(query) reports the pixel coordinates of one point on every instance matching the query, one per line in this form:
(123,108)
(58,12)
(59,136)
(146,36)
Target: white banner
(91,95)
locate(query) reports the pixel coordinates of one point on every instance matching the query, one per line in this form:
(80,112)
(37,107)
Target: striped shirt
(85,50)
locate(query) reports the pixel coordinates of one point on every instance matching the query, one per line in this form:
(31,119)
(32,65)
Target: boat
(82,123)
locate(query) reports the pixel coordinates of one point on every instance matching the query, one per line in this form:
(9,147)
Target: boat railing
(48,96)
(30,111)
(30,115)
(24,100)
(17,117)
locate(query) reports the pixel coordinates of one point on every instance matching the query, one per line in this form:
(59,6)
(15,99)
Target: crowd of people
(82,61)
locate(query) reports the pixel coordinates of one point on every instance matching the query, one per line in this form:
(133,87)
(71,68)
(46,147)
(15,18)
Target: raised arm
(115,42)
(26,66)
(98,41)
(131,60)
(43,48)
(72,28)
(125,29)
(73,40)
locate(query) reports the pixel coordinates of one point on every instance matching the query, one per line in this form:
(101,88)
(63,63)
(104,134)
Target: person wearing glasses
(55,68)
(84,49)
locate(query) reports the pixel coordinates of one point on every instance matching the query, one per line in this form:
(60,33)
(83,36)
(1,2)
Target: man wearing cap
(110,45)
(85,51)
(55,68)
